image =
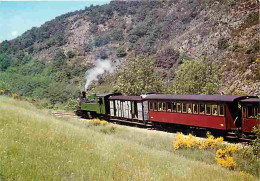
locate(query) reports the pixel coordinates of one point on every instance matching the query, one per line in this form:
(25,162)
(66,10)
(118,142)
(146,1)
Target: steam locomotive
(220,113)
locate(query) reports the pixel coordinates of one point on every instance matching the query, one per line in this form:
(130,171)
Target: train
(231,115)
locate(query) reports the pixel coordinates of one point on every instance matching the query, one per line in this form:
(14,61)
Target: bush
(197,77)
(101,40)
(120,52)
(252,18)
(70,54)
(5,61)
(167,58)
(138,76)
(223,43)
(256,142)
(97,122)
(117,35)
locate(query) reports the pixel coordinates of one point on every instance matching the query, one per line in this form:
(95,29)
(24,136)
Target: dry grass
(36,146)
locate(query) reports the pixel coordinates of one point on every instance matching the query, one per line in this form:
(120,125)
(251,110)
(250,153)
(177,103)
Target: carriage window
(214,110)
(155,106)
(221,110)
(159,106)
(250,111)
(202,108)
(208,109)
(163,106)
(189,108)
(195,108)
(169,107)
(184,108)
(244,112)
(178,107)
(174,107)
(151,106)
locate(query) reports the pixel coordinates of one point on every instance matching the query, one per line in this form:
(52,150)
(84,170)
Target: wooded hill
(168,32)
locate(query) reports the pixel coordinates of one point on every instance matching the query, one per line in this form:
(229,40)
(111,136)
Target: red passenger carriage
(208,111)
(250,114)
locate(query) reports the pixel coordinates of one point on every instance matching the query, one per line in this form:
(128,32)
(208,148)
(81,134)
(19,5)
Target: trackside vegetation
(233,157)
(37,146)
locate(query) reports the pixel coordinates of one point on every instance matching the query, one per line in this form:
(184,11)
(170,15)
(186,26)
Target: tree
(138,76)
(197,77)
(5,61)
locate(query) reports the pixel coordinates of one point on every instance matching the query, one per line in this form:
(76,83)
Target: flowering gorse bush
(97,122)
(15,96)
(185,141)
(190,141)
(210,142)
(224,157)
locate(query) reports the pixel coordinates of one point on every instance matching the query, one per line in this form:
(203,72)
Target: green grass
(36,146)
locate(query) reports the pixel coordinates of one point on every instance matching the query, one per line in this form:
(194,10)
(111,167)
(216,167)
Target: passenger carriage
(132,108)
(207,111)
(250,114)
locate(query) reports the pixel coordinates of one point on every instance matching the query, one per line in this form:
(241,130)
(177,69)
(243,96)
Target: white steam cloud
(101,66)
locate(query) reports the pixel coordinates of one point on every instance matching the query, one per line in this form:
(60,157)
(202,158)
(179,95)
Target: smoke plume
(101,66)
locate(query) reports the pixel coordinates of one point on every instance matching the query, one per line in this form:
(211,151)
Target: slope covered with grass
(35,145)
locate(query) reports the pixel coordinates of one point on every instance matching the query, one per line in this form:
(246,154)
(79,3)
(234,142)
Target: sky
(18,16)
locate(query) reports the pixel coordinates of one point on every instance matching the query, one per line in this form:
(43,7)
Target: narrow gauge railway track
(232,138)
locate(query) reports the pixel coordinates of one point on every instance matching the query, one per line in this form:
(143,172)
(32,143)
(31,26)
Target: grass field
(36,146)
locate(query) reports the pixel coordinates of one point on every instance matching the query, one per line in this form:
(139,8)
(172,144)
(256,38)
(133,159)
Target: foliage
(117,35)
(97,122)
(101,40)
(223,43)
(256,142)
(226,155)
(197,77)
(61,92)
(5,61)
(167,57)
(252,18)
(190,141)
(70,54)
(138,76)
(120,52)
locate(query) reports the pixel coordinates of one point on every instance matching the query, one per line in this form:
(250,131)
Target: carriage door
(146,110)
(129,109)
(112,108)
(140,110)
(117,107)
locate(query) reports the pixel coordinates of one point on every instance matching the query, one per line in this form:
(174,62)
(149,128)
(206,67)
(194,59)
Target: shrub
(117,35)
(190,141)
(97,122)
(224,157)
(101,40)
(71,105)
(252,17)
(256,142)
(200,77)
(223,43)
(14,96)
(70,54)
(167,57)
(120,52)
(138,76)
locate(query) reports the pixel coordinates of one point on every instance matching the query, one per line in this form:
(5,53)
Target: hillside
(37,146)
(227,32)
